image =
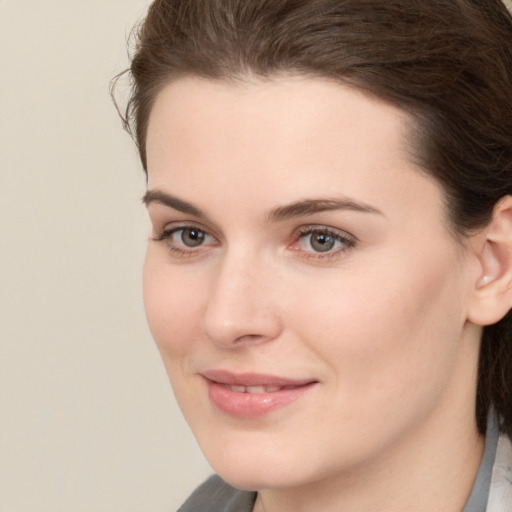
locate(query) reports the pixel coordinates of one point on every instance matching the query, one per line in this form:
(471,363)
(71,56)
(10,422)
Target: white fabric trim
(500,495)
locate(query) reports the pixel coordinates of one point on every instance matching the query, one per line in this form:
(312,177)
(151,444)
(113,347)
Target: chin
(254,477)
(263,463)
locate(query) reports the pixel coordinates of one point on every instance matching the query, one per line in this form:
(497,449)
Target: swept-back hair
(448,63)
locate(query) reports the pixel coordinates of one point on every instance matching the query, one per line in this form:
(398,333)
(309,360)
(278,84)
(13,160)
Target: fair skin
(362,298)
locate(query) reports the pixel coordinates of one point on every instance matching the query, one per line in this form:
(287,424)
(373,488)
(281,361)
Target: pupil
(322,242)
(192,237)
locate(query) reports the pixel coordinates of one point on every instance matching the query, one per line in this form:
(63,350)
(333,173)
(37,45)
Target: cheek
(172,305)
(386,331)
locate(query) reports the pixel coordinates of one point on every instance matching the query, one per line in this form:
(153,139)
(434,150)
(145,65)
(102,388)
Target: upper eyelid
(176,226)
(295,234)
(342,233)
(162,216)
(302,230)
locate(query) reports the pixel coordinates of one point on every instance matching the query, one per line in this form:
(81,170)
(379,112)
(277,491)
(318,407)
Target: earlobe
(492,294)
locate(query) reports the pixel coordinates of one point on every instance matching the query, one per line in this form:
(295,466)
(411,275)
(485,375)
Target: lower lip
(252,405)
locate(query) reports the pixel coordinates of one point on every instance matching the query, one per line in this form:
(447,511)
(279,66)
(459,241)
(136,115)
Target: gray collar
(477,501)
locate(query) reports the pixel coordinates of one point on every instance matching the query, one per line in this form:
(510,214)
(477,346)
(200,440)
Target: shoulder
(215,495)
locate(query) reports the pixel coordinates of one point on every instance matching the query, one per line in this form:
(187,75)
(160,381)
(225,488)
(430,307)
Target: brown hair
(446,62)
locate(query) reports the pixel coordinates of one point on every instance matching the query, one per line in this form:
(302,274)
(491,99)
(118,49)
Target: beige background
(87,418)
(87,421)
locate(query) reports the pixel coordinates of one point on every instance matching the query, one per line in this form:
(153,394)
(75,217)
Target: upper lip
(252,379)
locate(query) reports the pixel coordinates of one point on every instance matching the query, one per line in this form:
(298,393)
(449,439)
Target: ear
(492,294)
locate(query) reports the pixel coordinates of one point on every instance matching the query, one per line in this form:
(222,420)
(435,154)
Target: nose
(240,308)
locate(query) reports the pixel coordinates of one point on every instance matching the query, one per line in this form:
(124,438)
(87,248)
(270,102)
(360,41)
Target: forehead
(289,107)
(278,140)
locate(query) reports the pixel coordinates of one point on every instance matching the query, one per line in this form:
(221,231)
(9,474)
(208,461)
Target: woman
(329,276)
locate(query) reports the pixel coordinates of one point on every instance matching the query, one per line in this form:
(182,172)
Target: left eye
(323,241)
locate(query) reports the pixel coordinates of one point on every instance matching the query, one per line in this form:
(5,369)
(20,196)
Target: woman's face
(301,283)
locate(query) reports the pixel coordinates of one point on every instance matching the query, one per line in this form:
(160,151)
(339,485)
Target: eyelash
(347,241)
(167,234)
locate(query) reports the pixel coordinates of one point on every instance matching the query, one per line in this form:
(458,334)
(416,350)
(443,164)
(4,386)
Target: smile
(255,390)
(249,396)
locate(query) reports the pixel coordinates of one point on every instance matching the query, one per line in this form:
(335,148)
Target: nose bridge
(240,306)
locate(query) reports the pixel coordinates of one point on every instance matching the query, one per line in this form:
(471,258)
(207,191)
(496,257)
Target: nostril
(248,338)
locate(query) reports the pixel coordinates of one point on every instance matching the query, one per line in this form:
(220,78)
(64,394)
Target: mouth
(258,390)
(250,395)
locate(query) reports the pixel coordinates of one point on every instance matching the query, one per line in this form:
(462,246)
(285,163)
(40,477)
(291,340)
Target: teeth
(255,390)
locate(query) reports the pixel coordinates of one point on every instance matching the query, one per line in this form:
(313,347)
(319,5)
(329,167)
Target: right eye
(190,237)
(185,240)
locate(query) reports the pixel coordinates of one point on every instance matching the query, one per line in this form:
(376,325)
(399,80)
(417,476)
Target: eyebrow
(159,197)
(301,208)
(307,207)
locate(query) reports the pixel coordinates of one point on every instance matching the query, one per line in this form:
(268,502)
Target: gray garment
(477,501)
(215,495)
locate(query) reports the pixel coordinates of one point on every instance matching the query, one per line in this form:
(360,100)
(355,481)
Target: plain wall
(87,417)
